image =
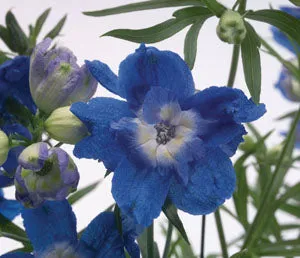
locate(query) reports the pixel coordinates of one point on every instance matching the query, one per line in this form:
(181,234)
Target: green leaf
(215,7)
(4,35)
(270,191)
(171,213)
(287,115)
(3,58)
(242,254)
(283,21)
(17,36)
(162,30)
(295,2)
(142,241)
(10,230)
(282,248)
(191,42)
(40,22)
(291,209)
(82,192)
(146,5)
(56,30)
(240,195)
(289,193)
(251,63)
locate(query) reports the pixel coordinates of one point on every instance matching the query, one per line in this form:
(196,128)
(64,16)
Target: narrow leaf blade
(82,192)
(251,63)
(56,30)
(171,213)
(146,5)
(40,22)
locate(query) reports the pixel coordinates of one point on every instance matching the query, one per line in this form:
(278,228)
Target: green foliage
(295,2)
(171,213)
(251,62)
(16,39)
(82,192)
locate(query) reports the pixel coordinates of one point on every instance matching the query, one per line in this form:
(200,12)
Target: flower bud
(44,174)
(289,85)
(4,147)
(56,80)
(231,27)
(65,127)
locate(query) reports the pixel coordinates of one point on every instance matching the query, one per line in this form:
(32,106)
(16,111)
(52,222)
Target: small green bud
(231,27)
(248,144)
(62,125)
(4,147)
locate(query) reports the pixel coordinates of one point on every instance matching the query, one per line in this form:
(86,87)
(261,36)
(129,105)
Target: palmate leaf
(146,5)
(251,62)
(283,21)
(164,30)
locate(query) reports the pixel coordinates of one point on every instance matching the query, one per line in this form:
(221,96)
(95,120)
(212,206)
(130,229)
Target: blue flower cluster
(163,140)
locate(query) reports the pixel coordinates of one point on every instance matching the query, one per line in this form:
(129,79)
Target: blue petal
(226,104)
(149,67)
(211,182)
(11,163)
(97,115)
(294,11)
(139,193)
(17,255)
(50,224)
(9,208)
(101,238)
(105,76)
(14,81)
(5,180)
(155,100)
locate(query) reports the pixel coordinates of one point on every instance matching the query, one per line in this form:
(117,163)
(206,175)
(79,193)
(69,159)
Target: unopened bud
(4,147)
(62,125)
(231,27)
(248,144)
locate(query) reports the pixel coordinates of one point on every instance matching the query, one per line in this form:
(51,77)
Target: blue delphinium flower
(14,82)
(51,229)
(166,140)
(282,38)
(9,208)
(288,85)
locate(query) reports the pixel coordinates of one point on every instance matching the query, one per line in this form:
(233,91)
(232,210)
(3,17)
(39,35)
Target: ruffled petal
(140,193)
(211,182)
(105,76)
(225,104)
(149,67)
(97,115)
(17,255)
(50,224)
(101,238)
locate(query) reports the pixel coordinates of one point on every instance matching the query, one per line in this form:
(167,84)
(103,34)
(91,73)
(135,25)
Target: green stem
(234,65)
(150,242)
(58,144)
(202,237)
(221,234)
(15,237)
(270,191)
(168,240)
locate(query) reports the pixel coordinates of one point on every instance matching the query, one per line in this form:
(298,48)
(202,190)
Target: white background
(81,35)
